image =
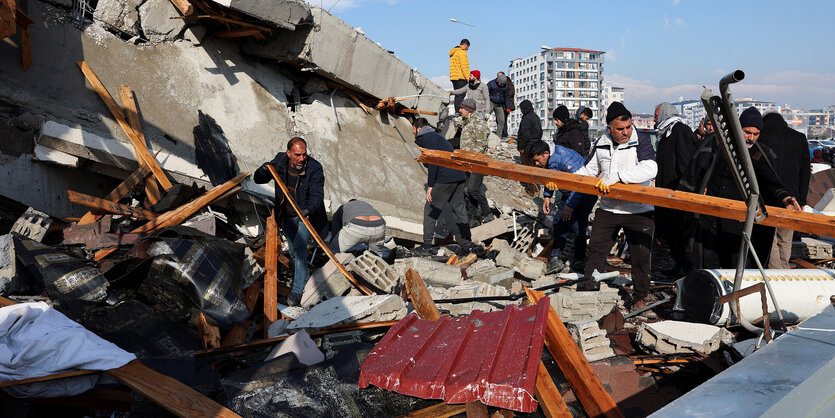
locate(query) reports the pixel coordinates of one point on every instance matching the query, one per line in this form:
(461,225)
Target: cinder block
(491,229)
(433,273)
(571,305)
(524,239)
(591,340)
(375,271)
(326,283)
(498,244)
(531,268)
(508,257)
(486,271)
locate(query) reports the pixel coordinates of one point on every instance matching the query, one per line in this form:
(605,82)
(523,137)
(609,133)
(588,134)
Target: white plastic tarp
(36,340)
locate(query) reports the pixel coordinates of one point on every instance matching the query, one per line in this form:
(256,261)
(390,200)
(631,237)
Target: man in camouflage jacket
(474,133)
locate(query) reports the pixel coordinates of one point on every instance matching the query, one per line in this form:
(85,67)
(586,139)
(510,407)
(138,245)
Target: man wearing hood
(721,238)
(530,132)
(583,116)
(570,133)
(459,69)
(675,149)
(511,93)
(477,91)
(622,155)
(444,187)
(794,169)
(500,100)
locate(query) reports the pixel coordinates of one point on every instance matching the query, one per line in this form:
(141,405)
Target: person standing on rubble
(793,167)
(477,91)
(622,155)
(459,69)
(500,100)
(474,132)
(570,133)
(675,149)
(511,93)
(357,222)
(444,187)
(305,179)
(575,206)
(530,132)
(583,116)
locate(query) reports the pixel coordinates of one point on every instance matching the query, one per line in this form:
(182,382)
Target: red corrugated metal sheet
(488,357)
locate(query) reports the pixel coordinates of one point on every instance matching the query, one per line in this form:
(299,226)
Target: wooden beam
(354,97)
(7,18)
(418,112)
(141,150)
(420,297)
(152,191)
(688,202)
(315,234)
(548,396)
(477,410)
(440,410)
(184,6)
(803,263)
(209,334)
(142,153)
(237,33)
(25,48)
(271,274)
(169,393)
(119,192)
(110,207)
(6,302)
(575,367)
(453,260)
(177,216)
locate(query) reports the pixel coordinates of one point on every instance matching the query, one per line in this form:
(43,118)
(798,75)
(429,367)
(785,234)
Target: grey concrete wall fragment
(285,14)
(676,337)
(374,270)
(155,20)
(326,282)
(572,305)
(433,273)
(123,15)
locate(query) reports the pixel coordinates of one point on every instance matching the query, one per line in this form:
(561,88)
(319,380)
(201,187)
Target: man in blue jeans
(305,180)
(576,207)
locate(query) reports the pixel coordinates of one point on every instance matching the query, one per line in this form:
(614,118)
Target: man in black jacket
(794,170)
(675,149)
(445,187)
(511,94)
(530,131)
(500,99)
(570,133)
(305,179)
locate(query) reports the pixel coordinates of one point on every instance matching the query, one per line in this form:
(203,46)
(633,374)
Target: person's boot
(464,229)
(487,217)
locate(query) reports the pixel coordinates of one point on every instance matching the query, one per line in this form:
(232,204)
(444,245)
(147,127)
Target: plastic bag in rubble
(63,276)
(202,272)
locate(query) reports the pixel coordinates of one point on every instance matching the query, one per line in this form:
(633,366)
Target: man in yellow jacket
(459,69)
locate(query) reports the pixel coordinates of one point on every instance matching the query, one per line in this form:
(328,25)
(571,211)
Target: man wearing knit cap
(622,155)
(500,100)
(477,91)
(583,116)
(570,134)
(675,148)
(474,132)
(721,238)
(530,132)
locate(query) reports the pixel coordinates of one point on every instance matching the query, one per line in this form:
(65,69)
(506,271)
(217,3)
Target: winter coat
(530,128)
(459,64)
(792,150)
(310,192)
(586,138)
(511,92)
(480,93)
(568,161)
(632,162)
(571,136)
(498,94)
(673,155)
(474,133)
(428,138)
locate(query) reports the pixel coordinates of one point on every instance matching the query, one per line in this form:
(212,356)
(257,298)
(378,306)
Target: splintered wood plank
(209,334)
(119,192)
(453,260)
(420,297)
(132,115)
(142,151)
(152,191)
(169,393)
(7,18)
(577,370)
(184,6)
(110,207)
(25,48)
(177,216)
(803,263)
(440,410)
(271,275)
(689,202)
(548,396)
(418,112)
(316,237)
(467,261)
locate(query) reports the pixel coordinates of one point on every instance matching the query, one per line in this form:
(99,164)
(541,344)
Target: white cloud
(672,23)
(442,81)
(797,88)
(675,2)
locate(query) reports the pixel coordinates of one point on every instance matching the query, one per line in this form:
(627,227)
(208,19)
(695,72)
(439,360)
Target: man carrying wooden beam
(622,155)
(305,178)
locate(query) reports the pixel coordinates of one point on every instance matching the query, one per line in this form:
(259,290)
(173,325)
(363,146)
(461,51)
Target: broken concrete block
(677,337)
(591,339)
(302,346)
(277,328)
(374,270)
(531,268)
(812,249)
(508,257)
(498,244)
(333,343)
(352,309)
(472,289)
(285,14)
(524,239)
(433,273)
(157,25)
(572,305)
(326,282)
(827,202)
(119,14)
(33,224)
(486,271)
(491,229)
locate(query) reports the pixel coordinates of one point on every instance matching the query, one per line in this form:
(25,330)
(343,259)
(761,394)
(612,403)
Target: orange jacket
(459,65)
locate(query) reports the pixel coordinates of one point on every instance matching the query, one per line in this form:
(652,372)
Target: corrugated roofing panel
(488,357)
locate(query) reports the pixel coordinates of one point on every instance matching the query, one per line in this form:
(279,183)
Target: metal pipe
(767,282)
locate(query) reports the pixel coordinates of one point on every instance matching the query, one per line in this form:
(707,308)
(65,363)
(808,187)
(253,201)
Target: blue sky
(659,50)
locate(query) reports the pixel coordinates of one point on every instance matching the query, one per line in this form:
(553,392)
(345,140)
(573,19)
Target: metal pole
(766,280)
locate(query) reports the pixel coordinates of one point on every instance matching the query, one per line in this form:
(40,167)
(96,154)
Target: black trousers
(444,194)
(476,198)
(457,84)
(639,228)
(580,216)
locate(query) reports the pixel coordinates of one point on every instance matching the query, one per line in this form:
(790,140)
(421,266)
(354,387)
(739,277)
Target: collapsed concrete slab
(351,309)
(327,282)
(286,14)
(676,337)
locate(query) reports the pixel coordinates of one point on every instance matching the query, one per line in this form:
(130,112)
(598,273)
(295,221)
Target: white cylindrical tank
(800,293)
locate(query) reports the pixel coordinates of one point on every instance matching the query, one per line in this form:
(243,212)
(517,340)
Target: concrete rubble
(351,309)
(572,305)
(591,339)
(434,273)
(675,337)
(326,282)
(374,270)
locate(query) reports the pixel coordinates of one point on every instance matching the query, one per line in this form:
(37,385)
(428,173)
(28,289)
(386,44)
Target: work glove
(605,185)
(552,185)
